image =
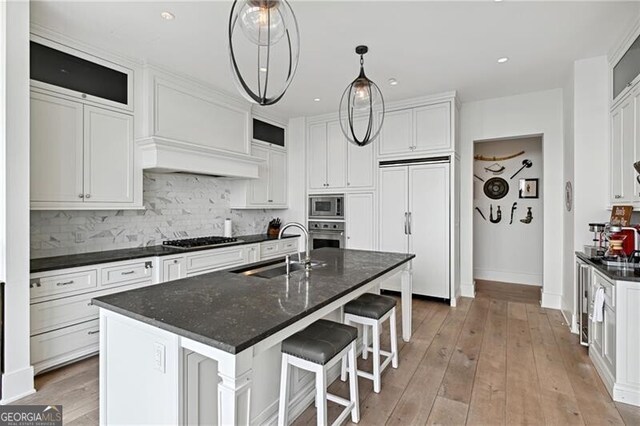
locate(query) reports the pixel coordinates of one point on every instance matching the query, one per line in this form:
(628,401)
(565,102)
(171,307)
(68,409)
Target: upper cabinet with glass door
(75,74)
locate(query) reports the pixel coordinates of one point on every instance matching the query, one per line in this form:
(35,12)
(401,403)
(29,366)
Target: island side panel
(139,372)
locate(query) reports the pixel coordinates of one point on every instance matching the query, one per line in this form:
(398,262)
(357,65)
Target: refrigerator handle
(406,223)
(410,220)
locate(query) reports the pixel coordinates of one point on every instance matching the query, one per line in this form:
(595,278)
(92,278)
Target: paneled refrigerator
(415,208)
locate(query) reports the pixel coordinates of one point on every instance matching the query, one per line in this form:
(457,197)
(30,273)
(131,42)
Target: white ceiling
(429,47)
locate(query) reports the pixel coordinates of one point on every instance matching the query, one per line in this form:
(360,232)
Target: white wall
(17,380)
(591,133)
(538,113)
(568,290)
(505,252)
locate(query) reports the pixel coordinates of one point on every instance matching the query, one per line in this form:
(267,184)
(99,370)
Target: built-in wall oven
(323,207)
(326,234)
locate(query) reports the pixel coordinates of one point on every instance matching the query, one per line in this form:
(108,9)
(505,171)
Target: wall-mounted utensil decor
(506,157)
(358,102)
(269,41)
(481,214)
(513,210)
(528,188)
(529,217)
(498,214)
(496,188)
(525,164)
(637,167)
(495,168)
(478,177)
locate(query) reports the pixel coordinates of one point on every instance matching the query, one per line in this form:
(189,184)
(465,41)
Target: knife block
(273,231)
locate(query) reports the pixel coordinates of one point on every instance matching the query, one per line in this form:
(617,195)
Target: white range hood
(169,156)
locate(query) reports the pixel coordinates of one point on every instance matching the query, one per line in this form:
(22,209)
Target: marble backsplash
(177,206)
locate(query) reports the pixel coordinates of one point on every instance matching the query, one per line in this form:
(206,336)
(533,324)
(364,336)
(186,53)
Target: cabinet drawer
(609,289)
(269,249)
(217,259)
(290,245)
(63,312)
(64,283)
(120,274)
(64,345)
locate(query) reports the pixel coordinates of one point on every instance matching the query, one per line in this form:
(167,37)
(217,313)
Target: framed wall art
(529,188)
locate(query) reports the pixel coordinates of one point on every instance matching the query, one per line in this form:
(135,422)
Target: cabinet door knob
(271,201)
(348,183)
(87,195)
(175,260)
(84,95)
(618,196)
(80,195)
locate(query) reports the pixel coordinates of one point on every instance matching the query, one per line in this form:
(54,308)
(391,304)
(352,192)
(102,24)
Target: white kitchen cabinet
(327,156)
(278,248)
(609,337)
(56,150)
(624,149)
(108,156)
(396,135)
(419,130)
(360,221)
(336,156)
(270,189)
(415,217)
(360,162)
(173,268)
(82,156)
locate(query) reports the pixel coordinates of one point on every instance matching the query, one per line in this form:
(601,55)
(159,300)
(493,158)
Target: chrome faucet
(307,257)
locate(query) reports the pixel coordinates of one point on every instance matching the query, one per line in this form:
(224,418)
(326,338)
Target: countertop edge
(141,255)
(613,275)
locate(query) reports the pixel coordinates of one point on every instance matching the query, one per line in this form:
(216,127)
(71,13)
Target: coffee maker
(597,249)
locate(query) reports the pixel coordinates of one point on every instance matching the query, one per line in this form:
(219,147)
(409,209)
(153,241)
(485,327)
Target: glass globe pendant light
(359,101)
(266,34)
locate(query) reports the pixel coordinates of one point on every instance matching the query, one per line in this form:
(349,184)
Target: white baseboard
(17,385)
(627,394)
(551,301)
(507,277)
(468,290)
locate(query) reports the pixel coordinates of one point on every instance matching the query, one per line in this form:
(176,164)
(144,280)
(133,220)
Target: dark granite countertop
(94,258)
(233,312)
(615,274)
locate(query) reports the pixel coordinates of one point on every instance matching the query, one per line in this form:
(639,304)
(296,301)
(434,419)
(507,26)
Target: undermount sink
(274,269)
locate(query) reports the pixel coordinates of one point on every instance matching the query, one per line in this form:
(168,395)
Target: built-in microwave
(326,206)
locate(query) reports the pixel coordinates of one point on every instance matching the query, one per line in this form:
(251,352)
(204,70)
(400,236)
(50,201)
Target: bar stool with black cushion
(317,348)
(372,310)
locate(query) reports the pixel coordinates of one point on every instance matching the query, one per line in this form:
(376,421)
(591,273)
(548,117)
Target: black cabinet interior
(61,69)
(268,132)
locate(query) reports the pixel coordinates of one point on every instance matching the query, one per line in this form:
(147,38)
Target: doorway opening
(507,219)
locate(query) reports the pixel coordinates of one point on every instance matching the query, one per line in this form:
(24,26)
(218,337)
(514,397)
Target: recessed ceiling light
(502,60)
(263,69)
(316,100)
(497,1)
(393,82)
(167,15)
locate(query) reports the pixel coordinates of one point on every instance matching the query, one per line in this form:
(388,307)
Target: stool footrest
(338,399)
(345,413)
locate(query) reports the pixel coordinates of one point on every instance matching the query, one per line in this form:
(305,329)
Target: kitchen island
(168,349)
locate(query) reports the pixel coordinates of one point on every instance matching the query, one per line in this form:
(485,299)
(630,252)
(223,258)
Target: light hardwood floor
(486,362)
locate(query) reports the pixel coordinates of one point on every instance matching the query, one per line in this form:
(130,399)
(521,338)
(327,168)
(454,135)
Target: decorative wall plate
(568,196)
(496,188)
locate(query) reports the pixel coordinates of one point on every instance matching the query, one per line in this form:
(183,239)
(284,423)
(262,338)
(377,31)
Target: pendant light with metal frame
(269,34)
(360,100)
